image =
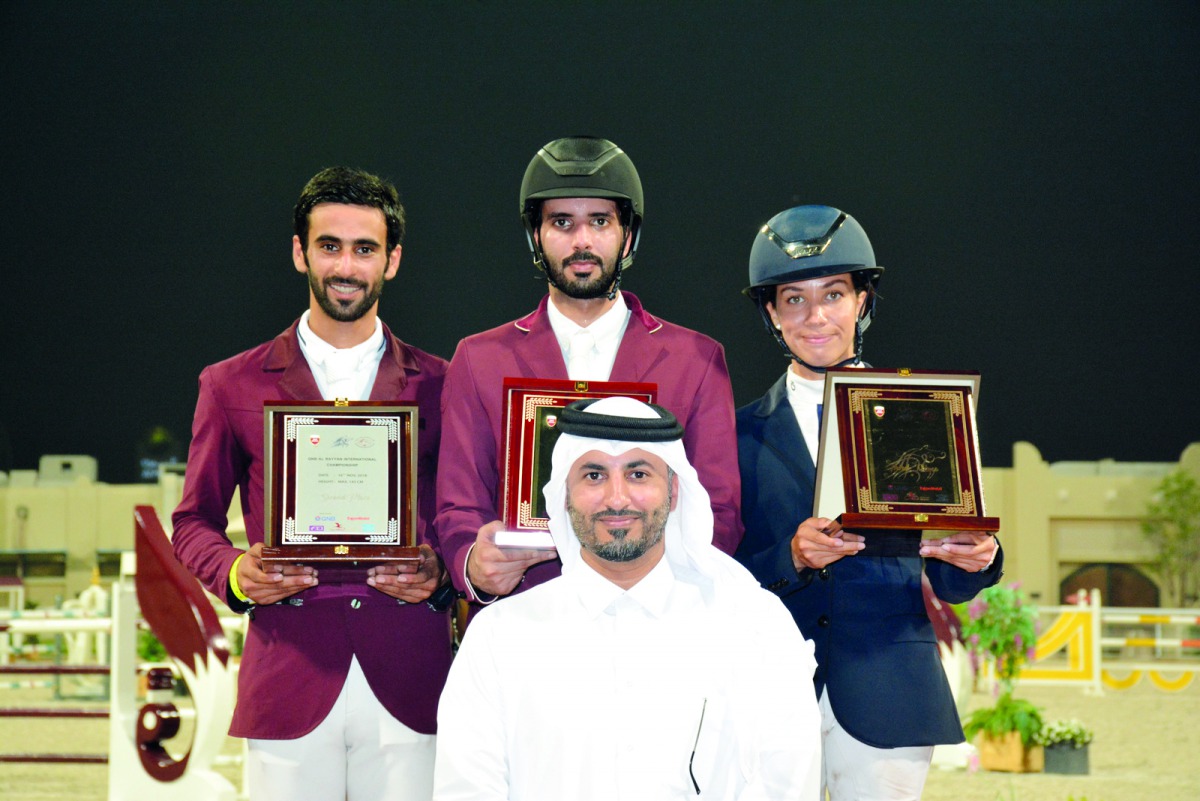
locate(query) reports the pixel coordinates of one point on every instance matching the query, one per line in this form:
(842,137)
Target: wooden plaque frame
(347,444)
(899,451)
(529,423)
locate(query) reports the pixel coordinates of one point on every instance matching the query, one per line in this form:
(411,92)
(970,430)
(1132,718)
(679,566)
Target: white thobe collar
(599,595)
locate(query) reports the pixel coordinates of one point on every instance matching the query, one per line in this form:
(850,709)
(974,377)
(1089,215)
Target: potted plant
(1065,743)
(1000,627)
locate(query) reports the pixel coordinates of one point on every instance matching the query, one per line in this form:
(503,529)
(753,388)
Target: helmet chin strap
(821,370)
(539,257)
(787,352)
(616,284)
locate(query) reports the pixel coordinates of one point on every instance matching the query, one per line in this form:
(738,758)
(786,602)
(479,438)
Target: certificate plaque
(899,451)
(531,408)
(340,483)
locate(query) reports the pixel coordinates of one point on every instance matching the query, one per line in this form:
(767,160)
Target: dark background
(1027,173)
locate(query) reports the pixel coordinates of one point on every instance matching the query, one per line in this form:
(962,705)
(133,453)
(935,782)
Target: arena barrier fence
(1074,649)
(54,712)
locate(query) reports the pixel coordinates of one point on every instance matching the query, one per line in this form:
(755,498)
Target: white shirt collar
(341,372)
(804,390)
(606,331)
(607,326)
(316,349)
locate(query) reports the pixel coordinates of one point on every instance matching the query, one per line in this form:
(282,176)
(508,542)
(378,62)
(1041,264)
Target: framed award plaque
(340,484)
(899,451)
(531,407)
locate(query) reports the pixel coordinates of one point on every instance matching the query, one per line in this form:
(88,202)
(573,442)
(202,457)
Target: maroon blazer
(693,383)
(297,652)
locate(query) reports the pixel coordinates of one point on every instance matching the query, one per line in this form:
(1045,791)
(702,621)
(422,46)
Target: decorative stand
(180,615)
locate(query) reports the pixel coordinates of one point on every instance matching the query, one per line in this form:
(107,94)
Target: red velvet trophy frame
(909,452)
(528,405)
(291,541)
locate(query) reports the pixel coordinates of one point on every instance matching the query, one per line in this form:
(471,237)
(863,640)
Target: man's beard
(583,289)
(621,548)
(348,311)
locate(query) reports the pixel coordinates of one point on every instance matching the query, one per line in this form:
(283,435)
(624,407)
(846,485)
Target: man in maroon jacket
(581,202)
(339,682)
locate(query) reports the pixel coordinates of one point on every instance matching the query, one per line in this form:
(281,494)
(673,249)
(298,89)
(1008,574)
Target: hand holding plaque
(270,583)
(819,542)
(409,581)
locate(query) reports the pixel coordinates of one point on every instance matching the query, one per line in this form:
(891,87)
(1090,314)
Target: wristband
(234,587)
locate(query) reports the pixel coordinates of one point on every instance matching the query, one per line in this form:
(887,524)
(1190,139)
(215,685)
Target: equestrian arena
(1145,749)
(1128,674)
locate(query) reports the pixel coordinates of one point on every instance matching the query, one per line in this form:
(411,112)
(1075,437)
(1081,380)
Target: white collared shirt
(590,353)
(342,373)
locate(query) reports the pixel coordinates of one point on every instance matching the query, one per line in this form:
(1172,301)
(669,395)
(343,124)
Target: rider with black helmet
(581,206)
(883,694)
(583,167)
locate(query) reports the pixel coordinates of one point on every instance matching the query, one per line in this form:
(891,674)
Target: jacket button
(355,603)
(823,621)
(824,574)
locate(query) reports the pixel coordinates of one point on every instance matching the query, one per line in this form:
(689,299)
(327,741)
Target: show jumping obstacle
(1072,648)
(180,615)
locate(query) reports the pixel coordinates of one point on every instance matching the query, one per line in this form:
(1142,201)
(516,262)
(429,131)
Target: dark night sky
(1027,173)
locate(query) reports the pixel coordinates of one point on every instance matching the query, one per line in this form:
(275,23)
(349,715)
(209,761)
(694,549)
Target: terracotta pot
(1008,754)
(1065,758)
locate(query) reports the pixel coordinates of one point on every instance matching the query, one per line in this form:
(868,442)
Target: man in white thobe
(654,668)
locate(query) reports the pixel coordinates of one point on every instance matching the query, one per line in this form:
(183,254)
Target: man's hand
(411,582)
(971,550)
(276,582)
(498,571)
(814,549)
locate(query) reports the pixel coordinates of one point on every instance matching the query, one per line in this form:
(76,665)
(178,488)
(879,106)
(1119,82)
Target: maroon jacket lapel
(397,362)
(640,350)
(537,353)
(296,380)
